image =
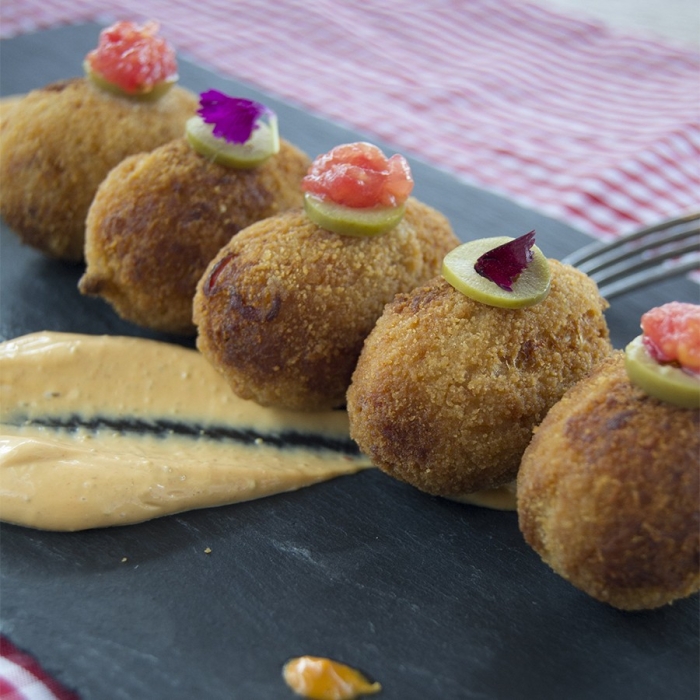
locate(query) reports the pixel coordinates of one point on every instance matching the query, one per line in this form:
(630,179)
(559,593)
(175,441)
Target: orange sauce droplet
(318,678)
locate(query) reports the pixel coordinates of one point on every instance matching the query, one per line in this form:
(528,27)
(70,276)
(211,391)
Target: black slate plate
(431,598)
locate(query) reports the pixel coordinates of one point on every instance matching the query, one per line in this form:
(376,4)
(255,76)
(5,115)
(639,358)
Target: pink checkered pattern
(594,128)
(22,678)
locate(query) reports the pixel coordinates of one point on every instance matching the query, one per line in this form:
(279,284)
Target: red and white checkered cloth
(22,678)
(595,128)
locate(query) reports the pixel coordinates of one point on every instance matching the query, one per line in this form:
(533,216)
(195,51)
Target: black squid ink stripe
(163,428)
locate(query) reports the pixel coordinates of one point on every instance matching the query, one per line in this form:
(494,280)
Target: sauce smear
(103,430)
(319,678)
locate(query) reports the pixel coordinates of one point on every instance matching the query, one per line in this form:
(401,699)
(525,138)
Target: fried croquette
(159,218)
(7,104)
(447,390)
(283,310)
(59,143)
(609,492)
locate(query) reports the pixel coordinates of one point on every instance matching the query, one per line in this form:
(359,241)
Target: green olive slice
(531,286)
(350,221)
(150,95)
(263,143)
(662,381)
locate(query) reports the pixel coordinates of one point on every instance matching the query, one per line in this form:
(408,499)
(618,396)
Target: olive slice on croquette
(132,61)
(529,284)
(369,221)
(664,360)
(664,381)
(233,131)
(355,190)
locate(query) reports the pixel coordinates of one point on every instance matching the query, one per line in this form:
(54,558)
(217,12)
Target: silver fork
(640,258)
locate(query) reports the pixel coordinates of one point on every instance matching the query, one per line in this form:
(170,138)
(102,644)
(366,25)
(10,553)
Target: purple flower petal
(504,263)
(234,118)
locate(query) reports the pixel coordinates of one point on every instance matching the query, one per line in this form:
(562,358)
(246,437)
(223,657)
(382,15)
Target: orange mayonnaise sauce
(102,430)
(319,678)
(501,498)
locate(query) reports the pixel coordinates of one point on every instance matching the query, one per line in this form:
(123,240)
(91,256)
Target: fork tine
(644,278)
(625,263)
(657,242)
(630,265)
(592,251)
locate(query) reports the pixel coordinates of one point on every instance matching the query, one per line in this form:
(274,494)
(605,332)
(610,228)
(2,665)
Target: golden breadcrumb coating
(609,492)
(7,104)
(447,390)
(60,142)
(283,310)
(159,218)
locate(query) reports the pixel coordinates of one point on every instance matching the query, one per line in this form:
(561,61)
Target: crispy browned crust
(447,390)
(159,218)
(609,492)
(284,309)
(59,143)
(7,104)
